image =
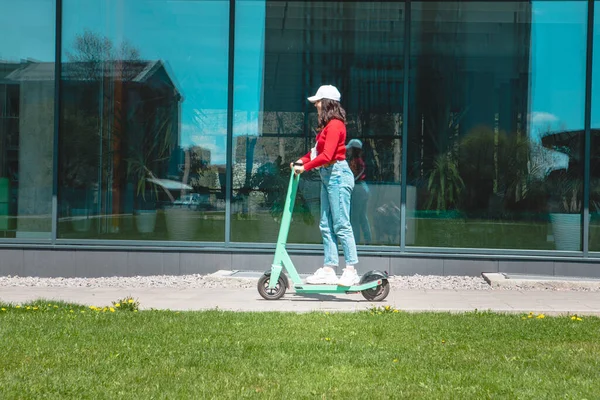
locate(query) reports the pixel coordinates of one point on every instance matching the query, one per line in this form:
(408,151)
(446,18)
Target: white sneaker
(349,277)
(323,277)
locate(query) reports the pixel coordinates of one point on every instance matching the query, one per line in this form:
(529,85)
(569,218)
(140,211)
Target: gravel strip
(427,282)
(155,281)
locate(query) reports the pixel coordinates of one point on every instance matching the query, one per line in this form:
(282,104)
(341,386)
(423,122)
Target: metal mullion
(57,108)
(404,172)
(229,150)
(587,129)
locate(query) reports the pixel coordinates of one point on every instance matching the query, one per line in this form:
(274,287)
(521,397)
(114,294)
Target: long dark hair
(330,109)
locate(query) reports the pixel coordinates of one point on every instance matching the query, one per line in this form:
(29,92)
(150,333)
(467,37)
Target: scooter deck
(302,288)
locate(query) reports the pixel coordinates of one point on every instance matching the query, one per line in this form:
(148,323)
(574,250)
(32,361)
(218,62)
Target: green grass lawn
(73,352)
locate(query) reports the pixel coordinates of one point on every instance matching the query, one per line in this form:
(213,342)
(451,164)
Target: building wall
(90,262)
(471,114)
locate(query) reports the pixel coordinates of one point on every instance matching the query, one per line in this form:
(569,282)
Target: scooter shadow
(321,297)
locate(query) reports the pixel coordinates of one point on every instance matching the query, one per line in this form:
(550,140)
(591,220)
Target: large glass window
(283,52)
(496,116)
(27,51)
(143,120)
(595,138)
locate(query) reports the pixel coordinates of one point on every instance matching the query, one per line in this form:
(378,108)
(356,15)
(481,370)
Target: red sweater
(330,146)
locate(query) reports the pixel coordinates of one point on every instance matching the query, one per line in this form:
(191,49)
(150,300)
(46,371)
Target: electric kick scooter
(373,285)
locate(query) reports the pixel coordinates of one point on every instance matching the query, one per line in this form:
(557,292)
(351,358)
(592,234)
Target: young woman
(329,155)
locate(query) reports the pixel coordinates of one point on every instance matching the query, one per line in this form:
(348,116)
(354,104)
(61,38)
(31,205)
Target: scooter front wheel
(378,293)
(270,293)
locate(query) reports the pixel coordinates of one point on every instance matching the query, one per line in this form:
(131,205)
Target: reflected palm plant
(444,183)
(482,166)
(150,147)
(272,180)
(566,191)
(495,164)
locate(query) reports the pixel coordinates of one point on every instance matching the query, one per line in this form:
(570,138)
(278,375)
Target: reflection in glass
(284,52)
(595,138)
(26,118)
(496,115)
(143,120)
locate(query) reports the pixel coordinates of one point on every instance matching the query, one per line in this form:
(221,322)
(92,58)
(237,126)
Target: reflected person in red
(360,195)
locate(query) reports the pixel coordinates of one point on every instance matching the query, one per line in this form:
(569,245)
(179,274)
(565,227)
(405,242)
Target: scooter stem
(288,209)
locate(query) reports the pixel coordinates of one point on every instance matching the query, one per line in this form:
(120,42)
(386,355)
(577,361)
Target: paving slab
(413,300)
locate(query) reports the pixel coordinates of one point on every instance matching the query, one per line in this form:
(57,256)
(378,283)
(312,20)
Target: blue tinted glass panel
(496,124)
(284,50)
(595,138)
(27,58)
(143,120)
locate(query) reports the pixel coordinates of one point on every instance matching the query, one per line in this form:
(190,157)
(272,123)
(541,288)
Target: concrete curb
(500,280)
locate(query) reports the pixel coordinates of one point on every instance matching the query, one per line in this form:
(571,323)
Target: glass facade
(176,122)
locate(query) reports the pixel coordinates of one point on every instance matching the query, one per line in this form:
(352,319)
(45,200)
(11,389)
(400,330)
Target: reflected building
(471,69)
(101,101)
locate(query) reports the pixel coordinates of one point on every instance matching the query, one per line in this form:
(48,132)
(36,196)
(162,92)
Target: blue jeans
(337,183)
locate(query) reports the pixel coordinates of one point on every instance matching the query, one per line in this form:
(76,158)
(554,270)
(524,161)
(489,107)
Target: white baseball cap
(355,143)
(326,92)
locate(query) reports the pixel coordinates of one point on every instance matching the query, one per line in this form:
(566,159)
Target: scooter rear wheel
(378,293)
(270,293)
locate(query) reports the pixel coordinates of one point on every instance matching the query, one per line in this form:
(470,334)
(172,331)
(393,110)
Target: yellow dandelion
(49,305)
(541,316)
(134,310)
(530,316)
(396,360)
(523,317)
(396,310)
(29,307)
(118,305)
(387,308)
(18,307)
(327,339)
(35,308)
(579,319)
(574,317)
(130,301)
(112,309)
(443,341)
(3,309)
(55,306)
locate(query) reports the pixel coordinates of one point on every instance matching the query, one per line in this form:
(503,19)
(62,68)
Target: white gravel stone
(436,282)
(170,281)
(423,282)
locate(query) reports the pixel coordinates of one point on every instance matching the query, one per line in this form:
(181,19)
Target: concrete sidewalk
(513,301)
